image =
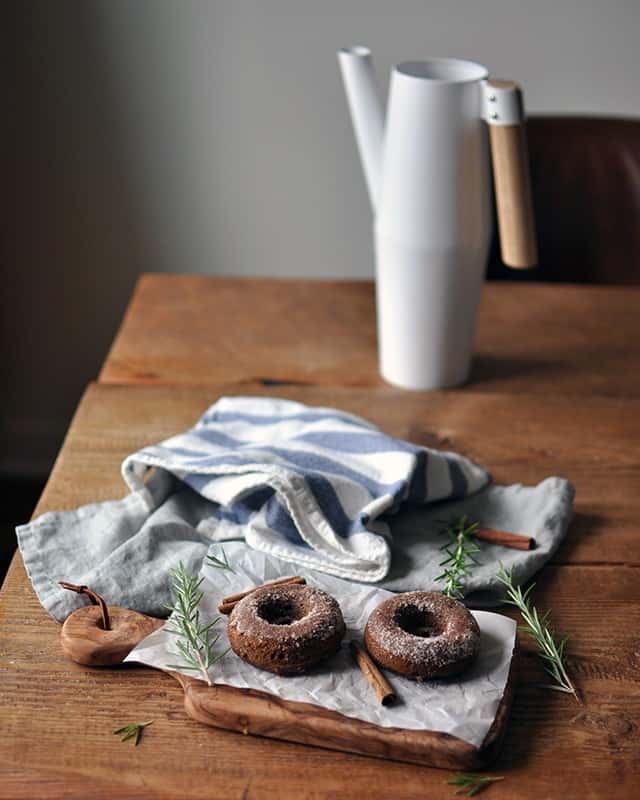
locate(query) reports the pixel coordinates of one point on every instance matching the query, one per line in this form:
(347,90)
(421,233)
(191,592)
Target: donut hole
(281,611)
(417,622)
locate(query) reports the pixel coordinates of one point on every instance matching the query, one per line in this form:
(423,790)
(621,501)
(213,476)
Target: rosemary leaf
(220,563)
(194,642)
(132,731)
(550,652)
(460,549)
(470,783)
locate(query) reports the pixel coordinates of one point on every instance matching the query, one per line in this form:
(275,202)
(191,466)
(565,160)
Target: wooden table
(567,407)
(532,338)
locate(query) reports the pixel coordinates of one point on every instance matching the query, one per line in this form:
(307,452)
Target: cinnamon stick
(516,541)
(380,685)
(227,604)
(95,599)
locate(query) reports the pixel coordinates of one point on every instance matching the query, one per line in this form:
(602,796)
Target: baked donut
(286,629)
(422,635)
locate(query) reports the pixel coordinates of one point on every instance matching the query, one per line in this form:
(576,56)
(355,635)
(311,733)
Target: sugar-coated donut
(286,629)
(422,635)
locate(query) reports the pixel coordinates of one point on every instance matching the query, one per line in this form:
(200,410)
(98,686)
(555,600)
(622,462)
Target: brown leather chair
(585,176)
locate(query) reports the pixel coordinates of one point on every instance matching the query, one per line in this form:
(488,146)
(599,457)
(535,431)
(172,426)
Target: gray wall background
(193,136)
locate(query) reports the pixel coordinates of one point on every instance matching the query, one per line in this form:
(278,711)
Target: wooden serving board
(256,713)
(250,711)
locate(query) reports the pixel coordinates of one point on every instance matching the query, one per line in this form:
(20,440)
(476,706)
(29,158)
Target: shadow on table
(487,368)
(581,526)
(19,498)
(520,734)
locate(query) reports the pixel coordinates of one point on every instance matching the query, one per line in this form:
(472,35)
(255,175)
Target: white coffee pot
(428,175)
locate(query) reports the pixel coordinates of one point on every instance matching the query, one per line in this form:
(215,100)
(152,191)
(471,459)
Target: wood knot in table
(442,440)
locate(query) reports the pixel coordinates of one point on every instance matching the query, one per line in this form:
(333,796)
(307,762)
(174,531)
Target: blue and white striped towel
(306,484)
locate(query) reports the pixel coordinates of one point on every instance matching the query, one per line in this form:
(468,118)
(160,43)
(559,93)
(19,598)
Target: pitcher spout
(366,113)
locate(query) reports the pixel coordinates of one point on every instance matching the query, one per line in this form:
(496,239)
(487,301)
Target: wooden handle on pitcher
(511,174)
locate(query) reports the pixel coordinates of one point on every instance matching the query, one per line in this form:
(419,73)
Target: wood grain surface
(256,713)
(532,338)
(56,717)
(512,186)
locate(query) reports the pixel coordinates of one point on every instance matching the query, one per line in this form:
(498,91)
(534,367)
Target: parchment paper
(463,707)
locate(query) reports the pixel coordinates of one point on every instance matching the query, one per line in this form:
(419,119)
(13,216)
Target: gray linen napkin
(310,485)
(125,548)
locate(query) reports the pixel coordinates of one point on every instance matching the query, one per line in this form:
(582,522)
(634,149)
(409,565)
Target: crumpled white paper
(464,707)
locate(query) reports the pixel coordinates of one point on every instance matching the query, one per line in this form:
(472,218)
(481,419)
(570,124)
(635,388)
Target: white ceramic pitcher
(428,176)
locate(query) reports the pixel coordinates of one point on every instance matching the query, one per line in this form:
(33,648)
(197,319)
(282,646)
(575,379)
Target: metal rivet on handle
(494,115)
(492,98)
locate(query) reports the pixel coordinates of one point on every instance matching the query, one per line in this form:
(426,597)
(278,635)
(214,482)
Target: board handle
(504,112)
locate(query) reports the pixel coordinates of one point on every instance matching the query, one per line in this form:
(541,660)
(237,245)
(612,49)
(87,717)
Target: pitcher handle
(504,112)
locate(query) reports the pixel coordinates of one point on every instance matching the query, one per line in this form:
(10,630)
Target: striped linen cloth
(306,484)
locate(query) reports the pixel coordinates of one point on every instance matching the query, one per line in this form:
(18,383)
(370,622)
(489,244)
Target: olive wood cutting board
(257,713)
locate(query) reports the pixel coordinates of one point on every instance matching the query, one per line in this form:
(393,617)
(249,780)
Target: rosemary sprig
(220,563)
(470,783)
(460,549)
(538,627)
(194,639)
(132,731)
